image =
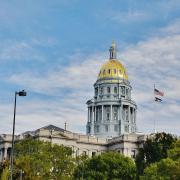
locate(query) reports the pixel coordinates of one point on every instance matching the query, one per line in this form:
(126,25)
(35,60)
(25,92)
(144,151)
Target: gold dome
(113,69)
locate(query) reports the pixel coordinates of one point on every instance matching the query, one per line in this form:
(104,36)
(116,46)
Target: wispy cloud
(129,17)
(23,50)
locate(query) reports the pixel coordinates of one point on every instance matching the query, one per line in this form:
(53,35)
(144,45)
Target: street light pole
(20,93)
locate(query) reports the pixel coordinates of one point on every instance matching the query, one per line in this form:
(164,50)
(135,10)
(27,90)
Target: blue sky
(54,50)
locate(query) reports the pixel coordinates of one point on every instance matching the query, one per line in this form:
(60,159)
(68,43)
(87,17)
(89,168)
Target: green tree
(166,169)
(107,166)
(174,152)
(37,160)
(4,170)
(154,149)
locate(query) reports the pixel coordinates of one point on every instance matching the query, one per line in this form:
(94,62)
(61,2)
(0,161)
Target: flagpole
(154,111)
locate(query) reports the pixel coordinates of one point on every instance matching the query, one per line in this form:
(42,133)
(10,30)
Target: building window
(107,113)
(88,129)
(101,90)
(84,153)
(114,71)
(115,112)
(116,127)
(123,90)
(104,72)
(109,71)
(97,128)
(133,154)
(93,154)
(126,128)
(120,72)
(115,90)
(126,115)
(96,91)
(106,128)
(127,92)
(108,116)
(108,90)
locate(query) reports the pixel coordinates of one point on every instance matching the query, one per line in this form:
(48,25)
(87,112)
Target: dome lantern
(112,51)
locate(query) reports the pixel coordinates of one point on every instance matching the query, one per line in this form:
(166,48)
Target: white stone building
(111,123)
(111,112)
(126,144)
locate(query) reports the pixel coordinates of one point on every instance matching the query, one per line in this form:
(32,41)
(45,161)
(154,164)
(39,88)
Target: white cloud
(172,29)
(14,50)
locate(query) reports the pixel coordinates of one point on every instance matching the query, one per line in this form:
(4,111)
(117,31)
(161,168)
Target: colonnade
(4,154)
(127,121)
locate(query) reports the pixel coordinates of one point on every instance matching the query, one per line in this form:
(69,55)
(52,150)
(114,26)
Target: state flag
(158,99)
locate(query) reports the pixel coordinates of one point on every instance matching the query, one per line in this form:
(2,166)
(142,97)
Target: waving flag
(157,92)
(158,95)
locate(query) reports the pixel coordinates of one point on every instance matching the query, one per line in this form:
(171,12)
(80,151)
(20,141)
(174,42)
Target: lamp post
(20,93)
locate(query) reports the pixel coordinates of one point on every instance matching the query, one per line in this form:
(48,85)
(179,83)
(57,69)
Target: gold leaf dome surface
(113,69)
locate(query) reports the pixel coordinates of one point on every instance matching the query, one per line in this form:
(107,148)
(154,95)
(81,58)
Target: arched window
(115,113)
(114,71)
(104,72)
(109,71)
(96,91)
(108,89)
(123,91)
(119,71)
(115,90)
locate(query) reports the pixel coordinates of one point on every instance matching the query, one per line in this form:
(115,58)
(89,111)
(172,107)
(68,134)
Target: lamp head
(22,93)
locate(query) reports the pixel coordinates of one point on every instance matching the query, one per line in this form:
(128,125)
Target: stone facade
(126,144)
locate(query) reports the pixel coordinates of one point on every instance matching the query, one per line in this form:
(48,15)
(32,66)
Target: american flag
(157,92)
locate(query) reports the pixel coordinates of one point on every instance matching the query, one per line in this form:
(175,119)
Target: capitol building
(111,112)
(111,123)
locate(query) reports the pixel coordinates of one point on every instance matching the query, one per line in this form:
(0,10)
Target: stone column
(135,111)
(95,109)
(133,116)
(119,91)
(88,114)
(92,123)
(129,119)
(111,116)
(121,119)
(134,125)
(102,113)
(5,153)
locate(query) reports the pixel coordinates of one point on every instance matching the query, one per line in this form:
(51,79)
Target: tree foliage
(107,166)
(37,160)
(174,152)
(166,169)
(4,170)
(154,149)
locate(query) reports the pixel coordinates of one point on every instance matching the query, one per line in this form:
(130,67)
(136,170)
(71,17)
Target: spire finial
(112,51)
